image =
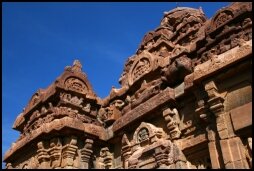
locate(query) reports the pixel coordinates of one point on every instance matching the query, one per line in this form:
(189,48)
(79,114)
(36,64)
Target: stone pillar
(55,152)
(69,151)
(106,159)
(231,147)
(207,121)
(86,153)
(233,153)
(126,151)
(43,157)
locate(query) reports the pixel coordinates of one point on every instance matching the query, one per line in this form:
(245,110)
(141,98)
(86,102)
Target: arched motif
(143,64)
(147,131)
(221,18)
(75,84)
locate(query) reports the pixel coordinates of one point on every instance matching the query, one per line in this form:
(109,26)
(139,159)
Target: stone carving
(19,121)
(177,70)
(69,151)
(35,99)
(146,91)
(76,67)
(189,78)
(76,84)
(124,79)
(43,156)
(111,113)
(106,159)
(69,99)
(143,135)
(86,153)
(106,115)
(223,34)
(140,67)
(119,104)
(126,151)
(173,122)
(9,166)
(151,149)
(55,152)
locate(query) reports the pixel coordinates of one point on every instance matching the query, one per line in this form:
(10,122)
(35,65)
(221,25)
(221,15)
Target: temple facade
(185,101)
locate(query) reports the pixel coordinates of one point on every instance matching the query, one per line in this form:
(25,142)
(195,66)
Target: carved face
(143,135)
(104,152)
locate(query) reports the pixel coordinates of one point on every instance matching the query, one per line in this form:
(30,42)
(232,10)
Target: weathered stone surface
(242,116)
(184,103)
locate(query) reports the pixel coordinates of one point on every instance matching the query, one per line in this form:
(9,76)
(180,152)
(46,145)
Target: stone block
(242,116)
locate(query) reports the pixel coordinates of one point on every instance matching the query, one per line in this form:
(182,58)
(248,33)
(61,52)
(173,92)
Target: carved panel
(143,64)
(150,148)
(140,68)
(75,84)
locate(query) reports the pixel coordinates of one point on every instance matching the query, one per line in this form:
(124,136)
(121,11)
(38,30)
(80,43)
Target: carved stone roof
(176,58)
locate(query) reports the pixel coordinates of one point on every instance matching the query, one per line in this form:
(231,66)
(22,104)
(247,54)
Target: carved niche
(151,148)
(143,64)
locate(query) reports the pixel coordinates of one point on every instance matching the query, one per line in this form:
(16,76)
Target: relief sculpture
(184,102)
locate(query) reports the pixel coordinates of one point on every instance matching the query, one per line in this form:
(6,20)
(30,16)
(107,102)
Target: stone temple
(185,101)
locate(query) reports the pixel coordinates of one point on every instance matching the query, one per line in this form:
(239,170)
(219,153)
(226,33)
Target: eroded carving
(86,153)
(43,156)
(69,151)
(173,122)
(76,84)
(150,148)
(105,160)
(184,55)
(55,152)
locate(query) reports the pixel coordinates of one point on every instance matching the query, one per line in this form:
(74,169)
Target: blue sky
(40,39)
